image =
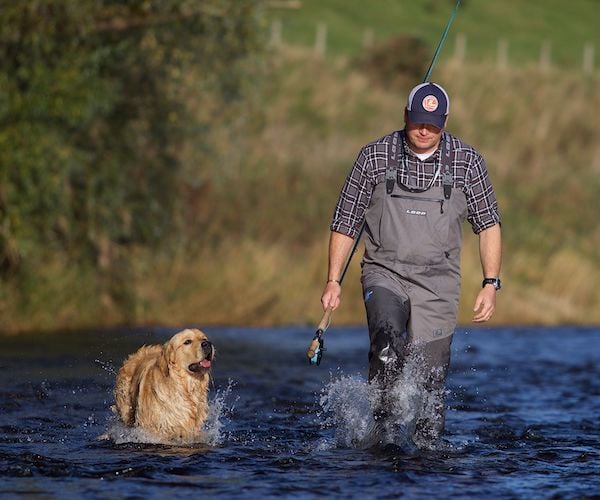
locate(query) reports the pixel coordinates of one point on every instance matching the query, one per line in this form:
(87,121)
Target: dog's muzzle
(208,351)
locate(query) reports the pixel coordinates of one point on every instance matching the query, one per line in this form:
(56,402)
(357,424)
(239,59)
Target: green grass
(525,24)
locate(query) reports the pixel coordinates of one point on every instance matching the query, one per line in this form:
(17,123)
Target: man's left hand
(485,304)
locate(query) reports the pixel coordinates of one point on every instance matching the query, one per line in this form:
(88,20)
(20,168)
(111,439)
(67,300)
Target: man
(413,189)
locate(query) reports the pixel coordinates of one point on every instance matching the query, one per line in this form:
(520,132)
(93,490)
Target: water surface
(522,420)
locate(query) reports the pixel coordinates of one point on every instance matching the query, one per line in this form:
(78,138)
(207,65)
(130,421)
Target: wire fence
(502,57)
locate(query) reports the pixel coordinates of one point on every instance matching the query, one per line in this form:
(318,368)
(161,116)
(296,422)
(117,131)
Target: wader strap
(391,171)
(447,179)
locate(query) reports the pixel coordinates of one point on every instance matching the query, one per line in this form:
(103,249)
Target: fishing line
(441,42)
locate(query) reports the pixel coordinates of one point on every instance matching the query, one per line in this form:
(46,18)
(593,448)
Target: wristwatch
(492,281)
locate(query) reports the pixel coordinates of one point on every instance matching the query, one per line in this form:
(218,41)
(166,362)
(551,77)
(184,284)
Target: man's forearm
(339,248)
(490,251)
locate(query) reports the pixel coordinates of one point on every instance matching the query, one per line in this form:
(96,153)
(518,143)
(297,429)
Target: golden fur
(163,389)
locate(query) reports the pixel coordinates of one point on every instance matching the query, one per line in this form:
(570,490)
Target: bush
(398,62)
(92,117)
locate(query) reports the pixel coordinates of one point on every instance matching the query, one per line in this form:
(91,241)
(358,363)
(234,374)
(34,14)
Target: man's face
(422,137)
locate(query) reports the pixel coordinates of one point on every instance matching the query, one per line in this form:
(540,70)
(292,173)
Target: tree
(91,117)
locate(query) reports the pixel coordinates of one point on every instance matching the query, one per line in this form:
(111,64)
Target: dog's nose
(207,348)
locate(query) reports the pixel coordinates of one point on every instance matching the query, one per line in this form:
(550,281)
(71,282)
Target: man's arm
(490,253)
(349,213)
(339,248)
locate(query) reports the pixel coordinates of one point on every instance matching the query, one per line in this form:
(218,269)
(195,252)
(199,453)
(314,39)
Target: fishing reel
(315,350)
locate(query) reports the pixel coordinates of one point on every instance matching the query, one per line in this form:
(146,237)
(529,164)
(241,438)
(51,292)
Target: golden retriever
(163,389)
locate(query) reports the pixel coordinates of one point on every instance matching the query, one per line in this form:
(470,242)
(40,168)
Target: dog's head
(190,351)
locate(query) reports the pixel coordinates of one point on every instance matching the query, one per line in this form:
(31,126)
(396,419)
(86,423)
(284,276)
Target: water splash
(349,404)
(107,366)
(119,433)
(218,411)
(212,429)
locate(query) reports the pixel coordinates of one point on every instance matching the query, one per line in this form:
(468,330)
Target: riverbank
(252,235)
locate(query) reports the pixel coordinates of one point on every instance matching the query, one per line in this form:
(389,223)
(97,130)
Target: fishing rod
(316,348)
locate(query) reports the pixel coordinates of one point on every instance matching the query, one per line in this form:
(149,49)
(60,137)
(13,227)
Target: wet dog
(163,389)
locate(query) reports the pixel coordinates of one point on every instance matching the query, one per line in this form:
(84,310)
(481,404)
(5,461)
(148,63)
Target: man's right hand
(331,295)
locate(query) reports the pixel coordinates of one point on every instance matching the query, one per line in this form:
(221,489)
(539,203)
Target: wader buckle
(390,179)
(447,181)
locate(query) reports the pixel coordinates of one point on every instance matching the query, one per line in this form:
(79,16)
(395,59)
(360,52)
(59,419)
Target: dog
(163,389)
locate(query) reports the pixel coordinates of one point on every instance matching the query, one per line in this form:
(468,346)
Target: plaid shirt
(469,171)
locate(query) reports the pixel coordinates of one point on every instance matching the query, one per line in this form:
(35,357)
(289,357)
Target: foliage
(126,126)
(91,118)
(262,252)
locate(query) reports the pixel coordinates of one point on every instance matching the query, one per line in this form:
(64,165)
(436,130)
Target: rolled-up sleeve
(355,197)
(482,206)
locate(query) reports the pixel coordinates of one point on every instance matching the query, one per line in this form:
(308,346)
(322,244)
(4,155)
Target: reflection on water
(522,419)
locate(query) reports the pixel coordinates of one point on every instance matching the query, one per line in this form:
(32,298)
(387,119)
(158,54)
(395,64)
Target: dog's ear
(163,365)
(171,351)
(167,357)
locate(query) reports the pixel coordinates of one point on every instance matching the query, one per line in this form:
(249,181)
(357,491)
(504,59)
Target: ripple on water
(522,421)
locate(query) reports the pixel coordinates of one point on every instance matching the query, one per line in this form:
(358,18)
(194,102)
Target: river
(522,421)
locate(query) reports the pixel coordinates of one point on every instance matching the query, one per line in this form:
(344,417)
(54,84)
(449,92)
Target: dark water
(523,420)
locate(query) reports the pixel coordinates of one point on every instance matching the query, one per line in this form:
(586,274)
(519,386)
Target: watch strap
(492,281)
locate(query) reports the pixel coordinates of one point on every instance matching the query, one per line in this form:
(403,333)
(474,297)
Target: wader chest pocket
(420,226)
(432,200)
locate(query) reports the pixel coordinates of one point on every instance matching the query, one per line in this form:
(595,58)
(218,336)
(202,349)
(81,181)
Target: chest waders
(411,277)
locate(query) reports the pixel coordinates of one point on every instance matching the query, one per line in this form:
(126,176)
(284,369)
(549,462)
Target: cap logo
(430,103)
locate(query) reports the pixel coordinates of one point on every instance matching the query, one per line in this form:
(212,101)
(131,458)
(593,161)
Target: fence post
(588,58)
(321,40)
(502,54)
(545,56)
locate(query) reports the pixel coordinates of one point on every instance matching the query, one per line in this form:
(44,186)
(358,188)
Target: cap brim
(431,119)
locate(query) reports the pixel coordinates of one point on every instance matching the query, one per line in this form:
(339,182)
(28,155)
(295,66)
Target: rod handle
(323,325)
(312,348)
(325,320)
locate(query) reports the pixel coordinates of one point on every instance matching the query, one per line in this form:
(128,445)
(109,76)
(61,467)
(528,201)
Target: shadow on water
(522,419)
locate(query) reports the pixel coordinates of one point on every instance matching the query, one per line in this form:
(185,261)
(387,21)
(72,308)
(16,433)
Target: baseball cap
(428,103)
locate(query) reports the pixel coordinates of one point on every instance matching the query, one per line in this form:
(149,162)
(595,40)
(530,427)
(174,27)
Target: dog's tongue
(196,367)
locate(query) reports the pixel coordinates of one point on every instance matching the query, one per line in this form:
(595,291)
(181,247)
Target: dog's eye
(188,342)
